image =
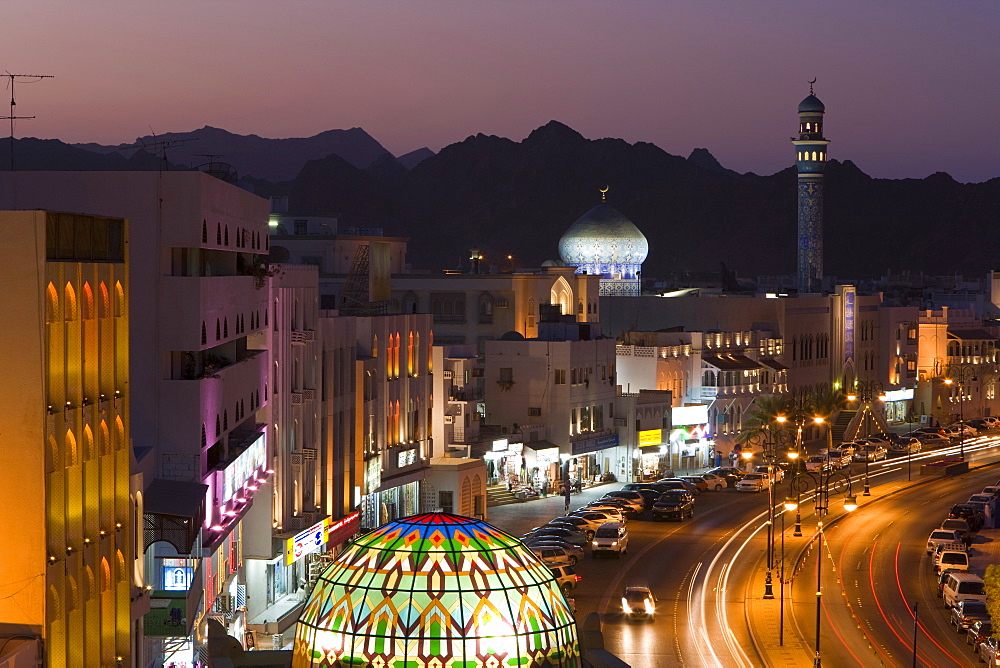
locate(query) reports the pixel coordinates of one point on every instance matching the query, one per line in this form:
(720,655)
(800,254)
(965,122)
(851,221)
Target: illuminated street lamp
(965,374)
(867,392)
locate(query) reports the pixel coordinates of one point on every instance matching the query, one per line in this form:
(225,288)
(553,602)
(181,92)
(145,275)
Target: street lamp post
(966,373)
(823,483)
(867,391)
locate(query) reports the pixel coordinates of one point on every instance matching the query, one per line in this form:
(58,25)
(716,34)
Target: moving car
(818,464)
(934,440)
(715,482)
(566,578)
(675,504)
(967,612)
(610,537)
(753,482)
(638,602)
(906,445)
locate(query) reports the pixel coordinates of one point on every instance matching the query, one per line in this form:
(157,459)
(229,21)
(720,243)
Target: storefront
(542,466)
(653,461)
(898,405)
(689,445)
(591,457)
(505,463)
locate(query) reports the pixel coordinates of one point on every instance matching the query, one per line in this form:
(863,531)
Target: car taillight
(577,578)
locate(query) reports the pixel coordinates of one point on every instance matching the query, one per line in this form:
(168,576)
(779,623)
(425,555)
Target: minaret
(810,160)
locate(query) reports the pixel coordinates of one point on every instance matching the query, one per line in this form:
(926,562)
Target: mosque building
(605,243)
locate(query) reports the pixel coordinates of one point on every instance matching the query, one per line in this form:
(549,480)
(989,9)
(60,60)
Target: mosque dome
(437,590)
(603,237)
(811,104)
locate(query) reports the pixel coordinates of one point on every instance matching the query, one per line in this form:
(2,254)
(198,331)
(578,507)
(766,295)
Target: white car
(933,440)
(557,556)
(753,482)
(818,464)
(612,513)
(638,602)
(942,537)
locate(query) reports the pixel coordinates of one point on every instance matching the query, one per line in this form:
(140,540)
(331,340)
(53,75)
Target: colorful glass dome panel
(437,590)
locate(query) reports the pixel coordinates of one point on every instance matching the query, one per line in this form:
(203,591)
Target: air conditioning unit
(309,335)
(295,524)
(309,395)
(448,374)
(309,454)
(296,398)
(449,419)
(298,337)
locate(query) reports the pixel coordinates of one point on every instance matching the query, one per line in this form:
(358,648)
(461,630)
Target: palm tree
(826,401)
(761,423)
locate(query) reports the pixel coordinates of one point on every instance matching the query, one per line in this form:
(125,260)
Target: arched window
(105,303)
(87,312)
(227,232)
(218,329)
(486,308)
(204,231)
(204,334)
(71,454)
(218,427)
(119,299)
(225,420)
(218,234)
(51,304)
(69,302)
(225,328)
(375,345)
(204,437)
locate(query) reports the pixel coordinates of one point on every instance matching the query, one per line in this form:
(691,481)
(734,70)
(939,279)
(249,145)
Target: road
(707,574)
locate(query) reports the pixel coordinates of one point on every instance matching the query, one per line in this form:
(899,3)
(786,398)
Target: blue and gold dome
(604,242)
(437,590)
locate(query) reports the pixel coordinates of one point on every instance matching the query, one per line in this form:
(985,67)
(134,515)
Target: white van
(610,537)
(962,587)
(951,556)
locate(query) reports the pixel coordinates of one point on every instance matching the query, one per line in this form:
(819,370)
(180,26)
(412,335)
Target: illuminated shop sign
(899,395)
(339,531)
(500,445)
(306,542)
(650,437)
(406,458)
(686,415)
(243,468)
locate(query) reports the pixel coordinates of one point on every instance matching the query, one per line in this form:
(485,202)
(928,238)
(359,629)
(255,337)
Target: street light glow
(746,454)
(818,420)
(851,503)
(791,503)
(781,419)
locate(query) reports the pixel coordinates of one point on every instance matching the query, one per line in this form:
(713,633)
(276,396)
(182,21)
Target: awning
(774,364)
(729,361)
(540,445)
(402,479)
(173,511)
(971,335)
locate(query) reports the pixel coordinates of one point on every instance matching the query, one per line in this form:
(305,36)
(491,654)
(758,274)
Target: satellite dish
(278,254)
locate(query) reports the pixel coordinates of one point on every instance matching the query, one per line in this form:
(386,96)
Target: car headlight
(650,608)
(627,610)
(614,544)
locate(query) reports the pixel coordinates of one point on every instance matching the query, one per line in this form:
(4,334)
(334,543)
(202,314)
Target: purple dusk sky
(910,86)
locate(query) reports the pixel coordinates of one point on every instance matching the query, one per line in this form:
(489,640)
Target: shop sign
(547,456)
(594,444)
(306,542)
(339,531)
(650,437)
(686,415)
(500,445)
(243,468)
(517,448)
(899,395)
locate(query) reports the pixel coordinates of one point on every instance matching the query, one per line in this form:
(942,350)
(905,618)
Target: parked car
(687,486)
(989,651)
(930,430)
(573,523)
(558,556)
(934,440)
(942,537)
(951,556)
(616,512)
(569,535)
(957,431)
(818,464)
(638,602)
(610,537)
(547,541)
(975,517)
(635,498)
(958,586)
(941,578)
(978,631)
(966,612)
(715,483)
(566,578)
(883,439)
(906,445)
(595,517)
(993,490)
(753,482)
(960,526)
(675,504)
(697,481)
(628,507)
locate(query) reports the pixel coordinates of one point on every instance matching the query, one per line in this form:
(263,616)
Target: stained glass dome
(437,590)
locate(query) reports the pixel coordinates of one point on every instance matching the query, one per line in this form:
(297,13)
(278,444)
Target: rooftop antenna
(24,78)
(157,147)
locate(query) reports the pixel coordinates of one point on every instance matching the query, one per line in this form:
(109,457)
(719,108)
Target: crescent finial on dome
(604,193)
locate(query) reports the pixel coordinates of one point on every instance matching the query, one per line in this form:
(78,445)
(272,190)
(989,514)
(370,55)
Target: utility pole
(24,78)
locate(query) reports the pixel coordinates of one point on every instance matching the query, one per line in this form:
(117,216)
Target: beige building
(71,577)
